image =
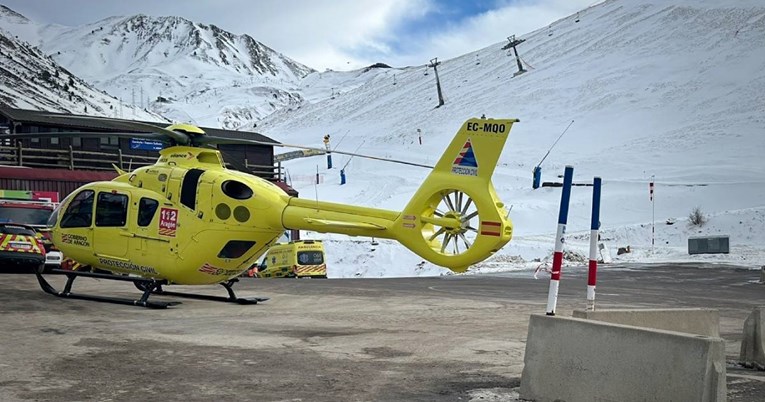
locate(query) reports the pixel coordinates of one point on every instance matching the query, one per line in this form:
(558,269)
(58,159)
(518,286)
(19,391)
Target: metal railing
(90,160)
(268,172)
(71,159)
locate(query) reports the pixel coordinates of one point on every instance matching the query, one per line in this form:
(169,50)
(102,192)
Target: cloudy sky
(337,34)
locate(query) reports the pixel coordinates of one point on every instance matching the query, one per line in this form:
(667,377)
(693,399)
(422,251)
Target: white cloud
(490,27)
(350,34)
(332,34)
(338,34)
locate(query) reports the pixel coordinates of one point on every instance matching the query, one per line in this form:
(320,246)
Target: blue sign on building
(146,145)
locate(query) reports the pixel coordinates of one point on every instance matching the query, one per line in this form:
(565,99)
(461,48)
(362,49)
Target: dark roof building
(100,152)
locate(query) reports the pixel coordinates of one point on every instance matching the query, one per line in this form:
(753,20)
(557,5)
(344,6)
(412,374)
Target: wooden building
(77,154)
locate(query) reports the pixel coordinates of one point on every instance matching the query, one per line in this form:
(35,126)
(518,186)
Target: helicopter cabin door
(110,232)
(76,225)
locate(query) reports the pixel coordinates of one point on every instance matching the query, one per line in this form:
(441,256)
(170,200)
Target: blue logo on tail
(465,163)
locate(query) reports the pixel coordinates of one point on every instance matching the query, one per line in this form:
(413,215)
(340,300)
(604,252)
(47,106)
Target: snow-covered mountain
(184,70)
(666,88)
(32,80)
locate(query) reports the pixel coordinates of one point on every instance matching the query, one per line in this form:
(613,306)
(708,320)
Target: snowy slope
(668,88)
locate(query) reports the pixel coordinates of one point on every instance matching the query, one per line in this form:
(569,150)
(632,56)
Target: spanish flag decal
(490,228)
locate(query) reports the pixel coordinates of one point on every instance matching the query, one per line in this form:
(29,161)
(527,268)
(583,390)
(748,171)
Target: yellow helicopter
(188,220)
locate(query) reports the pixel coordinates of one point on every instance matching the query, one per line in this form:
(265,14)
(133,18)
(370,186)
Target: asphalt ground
(450,338)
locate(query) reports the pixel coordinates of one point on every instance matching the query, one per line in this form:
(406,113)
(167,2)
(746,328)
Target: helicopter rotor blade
(181,138)
(91,134)
(176,137)
(242,141)
(212,140)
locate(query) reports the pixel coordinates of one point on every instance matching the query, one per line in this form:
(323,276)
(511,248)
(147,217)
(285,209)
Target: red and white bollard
(594,228)
(552,295)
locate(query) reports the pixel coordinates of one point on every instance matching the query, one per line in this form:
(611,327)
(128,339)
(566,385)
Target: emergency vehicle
(20,246)
(296,259)
(32,209)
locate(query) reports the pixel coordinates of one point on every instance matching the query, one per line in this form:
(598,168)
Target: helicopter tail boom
(321,216)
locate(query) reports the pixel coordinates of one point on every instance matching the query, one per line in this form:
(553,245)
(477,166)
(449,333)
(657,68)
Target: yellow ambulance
(296,259)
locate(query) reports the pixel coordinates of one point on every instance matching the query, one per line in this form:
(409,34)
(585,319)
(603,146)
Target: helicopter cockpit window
(236,190)
(146,209)
(235,248)
(79,213)
(189,187)
(111,209)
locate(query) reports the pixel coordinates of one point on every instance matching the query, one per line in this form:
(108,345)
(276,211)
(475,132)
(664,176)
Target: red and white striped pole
(594,227)
(552,295)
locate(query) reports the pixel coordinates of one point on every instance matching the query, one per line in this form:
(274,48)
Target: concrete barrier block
(571,359)
(699,321)
(753,345)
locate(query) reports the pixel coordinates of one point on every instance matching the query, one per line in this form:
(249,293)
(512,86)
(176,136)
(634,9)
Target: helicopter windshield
(53,218)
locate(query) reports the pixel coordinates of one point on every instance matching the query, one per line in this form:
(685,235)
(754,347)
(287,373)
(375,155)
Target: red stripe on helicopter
(208,269)
(490,231)
(167,232)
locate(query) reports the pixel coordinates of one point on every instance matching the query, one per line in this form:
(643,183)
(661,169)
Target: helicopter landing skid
(228,285)
(148,284)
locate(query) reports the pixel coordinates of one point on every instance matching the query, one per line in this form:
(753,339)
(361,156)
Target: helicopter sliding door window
(79,213)
(189,187)
(235,248)
(111,209)
(146,209)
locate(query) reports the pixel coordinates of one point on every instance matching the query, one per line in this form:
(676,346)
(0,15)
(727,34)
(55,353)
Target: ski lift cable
(556,141)
(341,139)
(349,159)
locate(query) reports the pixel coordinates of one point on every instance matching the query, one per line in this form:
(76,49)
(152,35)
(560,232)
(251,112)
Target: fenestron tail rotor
(453,239)
(456,219)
